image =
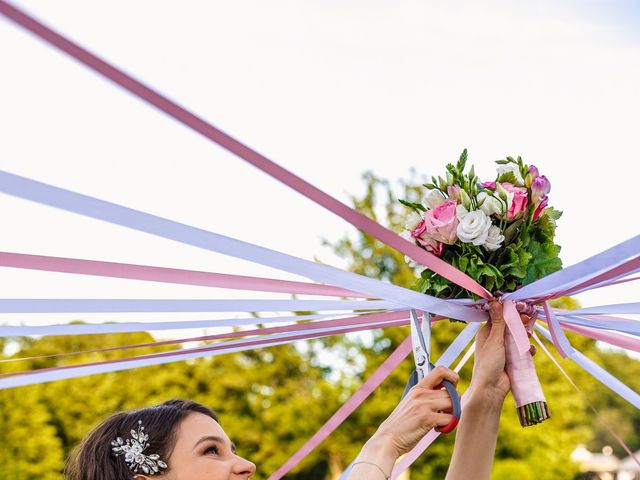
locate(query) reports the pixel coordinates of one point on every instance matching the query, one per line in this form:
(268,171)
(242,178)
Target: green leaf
(502,162)
(544,228)
(415,206)
(513,262)
(545,260)
(463,261)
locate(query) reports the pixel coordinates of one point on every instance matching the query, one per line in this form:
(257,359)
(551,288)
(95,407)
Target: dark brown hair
(93,459)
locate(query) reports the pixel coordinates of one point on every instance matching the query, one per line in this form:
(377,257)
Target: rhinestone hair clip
(133,449)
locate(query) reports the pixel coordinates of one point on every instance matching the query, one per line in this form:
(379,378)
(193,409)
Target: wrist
(381,450)
(486,400)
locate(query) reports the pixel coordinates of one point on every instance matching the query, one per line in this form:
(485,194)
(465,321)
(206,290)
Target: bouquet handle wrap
(527,392)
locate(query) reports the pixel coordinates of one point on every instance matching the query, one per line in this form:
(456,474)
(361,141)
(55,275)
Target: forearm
(377,457)
(475,439)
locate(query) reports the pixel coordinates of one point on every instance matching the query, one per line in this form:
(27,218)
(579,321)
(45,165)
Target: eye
(213,449)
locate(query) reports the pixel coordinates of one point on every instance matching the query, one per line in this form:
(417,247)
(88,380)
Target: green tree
(269,401)
(29,446)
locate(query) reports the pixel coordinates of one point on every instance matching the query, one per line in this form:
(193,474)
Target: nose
(244,467)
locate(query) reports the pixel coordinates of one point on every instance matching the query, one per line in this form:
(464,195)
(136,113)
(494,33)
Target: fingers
(436,400)
(496,334)
(528,322)
(441,419)
(437,375)
(483,334)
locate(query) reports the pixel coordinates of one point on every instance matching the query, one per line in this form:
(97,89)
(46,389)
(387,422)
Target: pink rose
(419,230)
(541,206)
(519,200)
(431,245)
(441,222)
(491,185)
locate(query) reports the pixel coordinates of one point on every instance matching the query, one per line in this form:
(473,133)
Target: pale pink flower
(454,191)
(431,245)
(419,230)
(519,200)
(441,222)
(540,188)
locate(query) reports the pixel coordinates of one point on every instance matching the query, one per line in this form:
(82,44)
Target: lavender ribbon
(63,305)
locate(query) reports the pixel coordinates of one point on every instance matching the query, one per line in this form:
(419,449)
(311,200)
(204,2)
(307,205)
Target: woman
(182,440)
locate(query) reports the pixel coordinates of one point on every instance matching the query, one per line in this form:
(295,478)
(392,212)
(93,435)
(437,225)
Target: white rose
(413,220)
(513,168)
(489,204)
(474,227)
(461,211)
(433,198)
(494,239)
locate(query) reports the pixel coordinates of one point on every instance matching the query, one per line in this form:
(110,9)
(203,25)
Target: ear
(139,476)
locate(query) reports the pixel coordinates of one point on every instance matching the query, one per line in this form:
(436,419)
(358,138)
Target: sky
(326,89)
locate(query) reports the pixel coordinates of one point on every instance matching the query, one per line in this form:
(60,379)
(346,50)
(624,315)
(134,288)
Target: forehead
(197,425)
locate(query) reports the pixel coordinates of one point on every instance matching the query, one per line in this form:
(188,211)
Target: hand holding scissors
(421,340)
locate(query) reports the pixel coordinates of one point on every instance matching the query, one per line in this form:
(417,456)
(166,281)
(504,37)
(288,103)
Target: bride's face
(203,451)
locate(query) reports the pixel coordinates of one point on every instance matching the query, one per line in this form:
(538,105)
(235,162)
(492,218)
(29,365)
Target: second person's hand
(422,409)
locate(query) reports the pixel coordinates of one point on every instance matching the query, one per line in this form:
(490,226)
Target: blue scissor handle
(453,393)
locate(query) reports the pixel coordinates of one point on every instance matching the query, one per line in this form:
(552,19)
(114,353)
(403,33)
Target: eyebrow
(213,438)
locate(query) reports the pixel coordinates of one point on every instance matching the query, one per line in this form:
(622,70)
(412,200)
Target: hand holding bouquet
(500,233)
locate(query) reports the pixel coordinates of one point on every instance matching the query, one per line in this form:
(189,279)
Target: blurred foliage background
(271,401)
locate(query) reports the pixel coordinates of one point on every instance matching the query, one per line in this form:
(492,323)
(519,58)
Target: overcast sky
(327,89)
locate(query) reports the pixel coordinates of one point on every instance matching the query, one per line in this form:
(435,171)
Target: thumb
(496,335)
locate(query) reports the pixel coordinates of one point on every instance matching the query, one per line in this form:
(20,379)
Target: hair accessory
(133,449)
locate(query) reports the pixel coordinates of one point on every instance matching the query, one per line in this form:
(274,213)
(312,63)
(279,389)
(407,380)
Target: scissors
(421,340)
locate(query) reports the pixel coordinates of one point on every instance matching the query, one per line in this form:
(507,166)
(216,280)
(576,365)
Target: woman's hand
(422,409)
(490,381)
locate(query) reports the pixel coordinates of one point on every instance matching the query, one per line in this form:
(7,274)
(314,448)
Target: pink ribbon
(168,275)
(514,324)
(347,408)
(622,341)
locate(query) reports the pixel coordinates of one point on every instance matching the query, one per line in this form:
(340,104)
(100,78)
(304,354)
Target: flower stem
(533,413)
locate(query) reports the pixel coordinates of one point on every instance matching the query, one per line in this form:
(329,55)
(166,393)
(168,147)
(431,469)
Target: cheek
(199,468)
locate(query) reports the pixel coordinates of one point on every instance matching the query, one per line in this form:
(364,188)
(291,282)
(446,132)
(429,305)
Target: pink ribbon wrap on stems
(525,385)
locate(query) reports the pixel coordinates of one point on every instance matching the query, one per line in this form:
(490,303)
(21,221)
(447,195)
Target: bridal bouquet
(500,233)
